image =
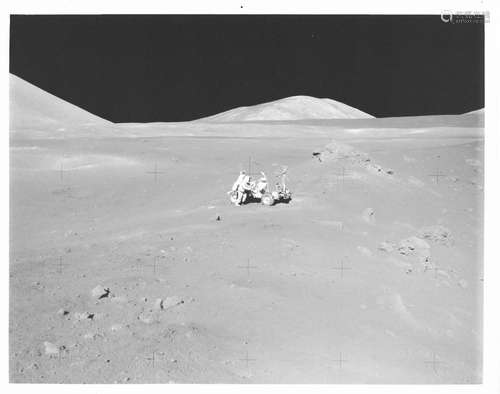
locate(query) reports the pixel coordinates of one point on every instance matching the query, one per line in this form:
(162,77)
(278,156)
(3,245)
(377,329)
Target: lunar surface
(130,265)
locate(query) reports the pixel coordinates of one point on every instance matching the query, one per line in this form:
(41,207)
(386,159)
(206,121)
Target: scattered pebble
(38,285)
(438,234)
(83,316)
(414,245)
(170,302)
(369,215)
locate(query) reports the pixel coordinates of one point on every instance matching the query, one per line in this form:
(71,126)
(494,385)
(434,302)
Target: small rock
(100,292)
(369,216)
(83,316)
(62,312)
(218,218)
(170,302)
(158,304)
(38,285)
(414,245)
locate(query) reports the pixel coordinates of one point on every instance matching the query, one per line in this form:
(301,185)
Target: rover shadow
(254,200)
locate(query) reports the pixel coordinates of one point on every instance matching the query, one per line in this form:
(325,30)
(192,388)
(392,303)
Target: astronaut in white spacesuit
(241,187)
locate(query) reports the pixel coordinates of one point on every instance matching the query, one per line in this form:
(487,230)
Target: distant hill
(291,108)
(479,112)
(470,119)
(34,108)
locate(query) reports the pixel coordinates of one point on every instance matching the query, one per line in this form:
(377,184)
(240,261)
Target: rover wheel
(267,199)
(233,197)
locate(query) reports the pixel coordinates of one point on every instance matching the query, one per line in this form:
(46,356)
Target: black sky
(174,68)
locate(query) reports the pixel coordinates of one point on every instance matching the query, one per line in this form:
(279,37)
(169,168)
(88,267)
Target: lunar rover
(260,191)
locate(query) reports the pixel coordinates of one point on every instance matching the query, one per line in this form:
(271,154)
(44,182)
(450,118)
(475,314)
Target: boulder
(100,292)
